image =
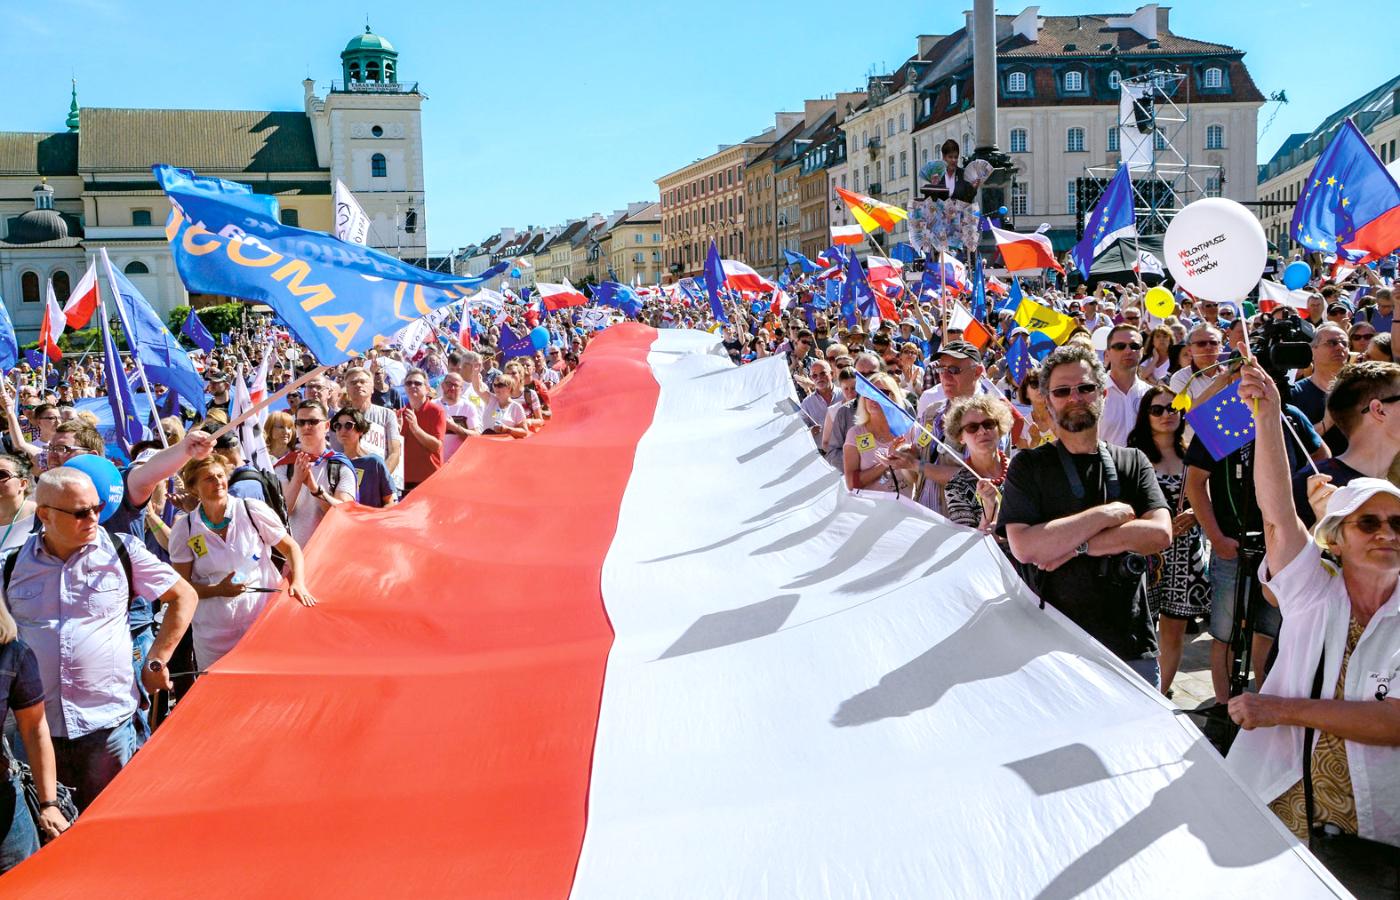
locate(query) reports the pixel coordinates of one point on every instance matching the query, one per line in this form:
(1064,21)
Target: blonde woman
(870,444)
(278,434)
(976,426)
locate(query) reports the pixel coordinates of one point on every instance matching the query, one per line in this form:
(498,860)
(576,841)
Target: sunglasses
(974,427)
(414,383)
(1205,343)
(1162,409)
(503,384)
(1083,390)
(1125,345)
(1363,336)
(6,476)
(64,451)
(951,370)
(309,423)
(1371,524)
(342,425)
(82,512)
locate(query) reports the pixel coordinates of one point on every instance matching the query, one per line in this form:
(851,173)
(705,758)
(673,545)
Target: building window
(1159,140)
(1020,200)
(136,267)
(1074,140)
(1074,82)
(952,93)
(901,121)
(864,140)
(1071,198)
(1016,83)
(378,166)
(61,285)
(903,163)
(140,217)
(1113,139)
(1019,140)
(1213,186)
(1215,137)
(889,128)
(289,217)
(1115,80)
(29,287)
(1214,78)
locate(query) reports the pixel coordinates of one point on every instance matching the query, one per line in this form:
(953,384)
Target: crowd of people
(1086,471)
(110,614)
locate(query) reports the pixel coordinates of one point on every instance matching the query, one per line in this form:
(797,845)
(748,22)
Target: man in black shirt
(1081,515)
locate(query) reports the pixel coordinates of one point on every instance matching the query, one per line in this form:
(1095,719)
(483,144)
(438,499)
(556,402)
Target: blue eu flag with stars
(1224,423)
(1350,205)
(1112,218)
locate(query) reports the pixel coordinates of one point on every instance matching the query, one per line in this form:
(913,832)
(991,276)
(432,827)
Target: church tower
(368,132)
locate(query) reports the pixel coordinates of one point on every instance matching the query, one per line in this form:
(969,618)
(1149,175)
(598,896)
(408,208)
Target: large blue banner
(338,298)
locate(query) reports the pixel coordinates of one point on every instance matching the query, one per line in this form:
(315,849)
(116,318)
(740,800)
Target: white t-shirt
(16,533)
(470,414)
(1120,409)
(1312,598)
(309,512)
(246,550)
(495,415)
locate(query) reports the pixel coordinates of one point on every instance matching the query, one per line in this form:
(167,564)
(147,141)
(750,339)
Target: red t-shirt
(418,463)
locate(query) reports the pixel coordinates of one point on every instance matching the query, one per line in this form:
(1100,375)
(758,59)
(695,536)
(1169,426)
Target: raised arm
(1284,534)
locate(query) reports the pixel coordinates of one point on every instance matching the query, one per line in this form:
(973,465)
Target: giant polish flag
(742,682)
(558,296)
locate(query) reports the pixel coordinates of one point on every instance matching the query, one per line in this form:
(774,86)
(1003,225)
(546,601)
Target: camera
(1123,568)
(1283,344)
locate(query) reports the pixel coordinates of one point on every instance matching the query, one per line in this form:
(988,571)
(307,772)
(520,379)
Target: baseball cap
(1350,497)
(960,350)
(1338,308)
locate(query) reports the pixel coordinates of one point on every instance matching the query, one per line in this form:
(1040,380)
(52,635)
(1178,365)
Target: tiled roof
(1091,36)
(209,139)
(38,153)
(279,188)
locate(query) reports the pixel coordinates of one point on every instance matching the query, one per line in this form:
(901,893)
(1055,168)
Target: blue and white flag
(1111,218)
(9,344)
(896,416)
(160,354)
(128,428)
(338,298)
(194,330)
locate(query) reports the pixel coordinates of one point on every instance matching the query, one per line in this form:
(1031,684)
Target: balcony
(373,87)
(875,189)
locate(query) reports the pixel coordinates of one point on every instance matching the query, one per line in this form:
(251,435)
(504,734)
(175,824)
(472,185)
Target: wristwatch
(1082,549)
(154,665)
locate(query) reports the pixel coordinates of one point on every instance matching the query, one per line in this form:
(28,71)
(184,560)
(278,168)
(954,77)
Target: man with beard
(1081,515)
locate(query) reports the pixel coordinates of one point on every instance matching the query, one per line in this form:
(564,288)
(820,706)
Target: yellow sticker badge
(198,546)
(865,442)
(925,437)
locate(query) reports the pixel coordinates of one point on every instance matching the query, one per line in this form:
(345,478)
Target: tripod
(1218,727)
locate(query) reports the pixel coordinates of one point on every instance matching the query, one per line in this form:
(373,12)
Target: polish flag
(1023,252)
(257,388)
(974,332)
(846,235)
(82,302)
(781,301)
(559,296)
(741,277)
(715,722)
(464,333)
(878,268)
(52,328)
(1273,295)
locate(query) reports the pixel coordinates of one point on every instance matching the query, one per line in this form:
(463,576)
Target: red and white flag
(52,327)
(559,296)
(879,268)
(796,679)
(257,386)
(846,235)
(82,302)
(1272,295)
(742,277)
(1025,252)
(973,331)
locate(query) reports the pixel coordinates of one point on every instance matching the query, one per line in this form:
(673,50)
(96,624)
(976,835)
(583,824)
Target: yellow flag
(1055,325)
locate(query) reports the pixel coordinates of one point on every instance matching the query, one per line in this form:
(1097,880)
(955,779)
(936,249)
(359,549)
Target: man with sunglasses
(1364,403)
(1125,388)
(314,477)
(1081,515)
(68,589)
(424,424)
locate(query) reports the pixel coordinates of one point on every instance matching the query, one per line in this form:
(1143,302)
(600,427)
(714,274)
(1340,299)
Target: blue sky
(547,110)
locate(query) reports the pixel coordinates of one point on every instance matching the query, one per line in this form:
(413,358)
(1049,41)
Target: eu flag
(9,344)
(1350,204)
(513,345)
(714,280)
(857,298)
(896,416)
(619,295)
(831,294)
(161,355)
(1111,218)
(194,330)
(128,428)
(1013,295)
(793,257)
(1224,423)
(979,291)
(1018,358)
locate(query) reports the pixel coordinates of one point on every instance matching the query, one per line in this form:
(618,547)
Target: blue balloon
(1296,274)
(539,337)
(105,477)
(1001,210)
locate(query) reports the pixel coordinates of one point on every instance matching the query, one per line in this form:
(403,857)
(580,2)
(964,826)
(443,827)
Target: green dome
(369,41)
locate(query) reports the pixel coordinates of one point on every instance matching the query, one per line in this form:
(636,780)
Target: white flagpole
(131,345)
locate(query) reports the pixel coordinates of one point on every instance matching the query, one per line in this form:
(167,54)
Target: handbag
(64,795)
(1367,868)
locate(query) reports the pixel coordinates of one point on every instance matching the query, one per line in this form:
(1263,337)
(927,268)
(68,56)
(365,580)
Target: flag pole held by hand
(266,401)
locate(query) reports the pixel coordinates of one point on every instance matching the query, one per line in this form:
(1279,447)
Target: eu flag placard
(1224,423)
(896,417)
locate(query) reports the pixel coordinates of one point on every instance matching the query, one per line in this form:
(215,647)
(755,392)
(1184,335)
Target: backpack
(337,463)
(271,488)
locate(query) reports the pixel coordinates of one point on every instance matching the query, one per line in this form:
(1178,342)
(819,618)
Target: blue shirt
(73,614)
(248,488)
(372,481)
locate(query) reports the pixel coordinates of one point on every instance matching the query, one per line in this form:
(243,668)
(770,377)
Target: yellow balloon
(1160,302)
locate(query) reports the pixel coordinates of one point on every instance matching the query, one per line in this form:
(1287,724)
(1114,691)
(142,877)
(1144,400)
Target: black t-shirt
(20,684)
(1037,490)
(1232,478)
(1342,474)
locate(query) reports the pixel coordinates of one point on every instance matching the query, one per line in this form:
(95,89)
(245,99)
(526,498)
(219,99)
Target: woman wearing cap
(869,444)
(1338,651)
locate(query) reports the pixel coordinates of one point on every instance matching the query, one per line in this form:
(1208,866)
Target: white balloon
(1100,338)
(1216,249)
